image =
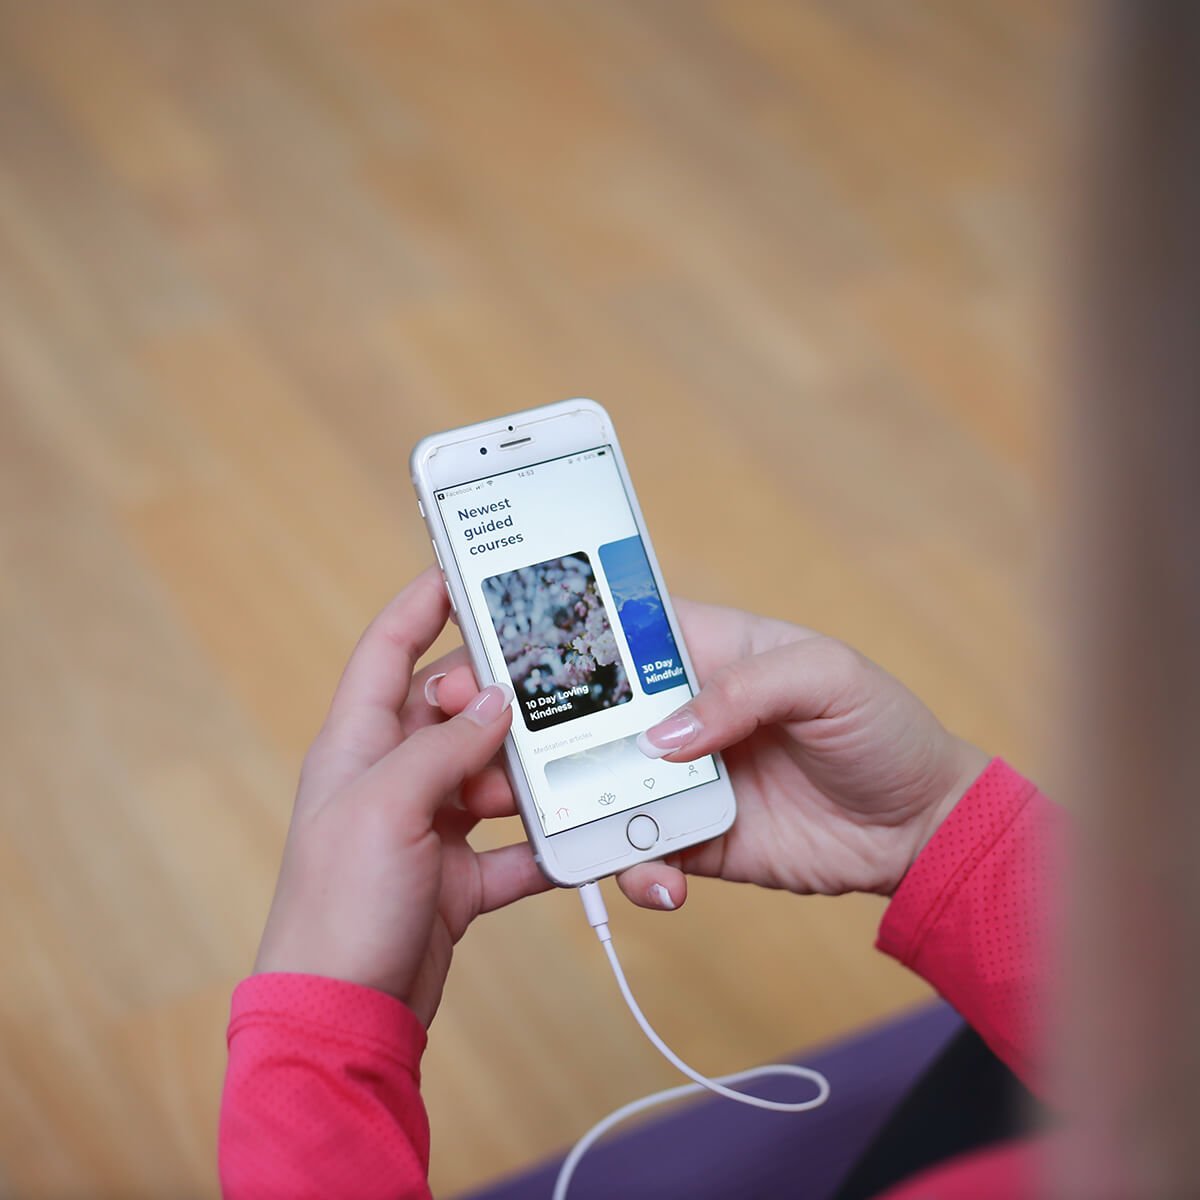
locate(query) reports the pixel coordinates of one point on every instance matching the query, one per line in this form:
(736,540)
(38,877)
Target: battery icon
(601,453)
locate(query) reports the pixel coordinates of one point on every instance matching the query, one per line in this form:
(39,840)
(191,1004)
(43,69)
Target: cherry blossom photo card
(557,640)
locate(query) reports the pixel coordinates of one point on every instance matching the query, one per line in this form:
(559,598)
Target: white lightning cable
(597,915)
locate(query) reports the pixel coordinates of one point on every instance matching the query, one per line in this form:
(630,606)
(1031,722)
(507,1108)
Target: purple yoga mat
(714,1149)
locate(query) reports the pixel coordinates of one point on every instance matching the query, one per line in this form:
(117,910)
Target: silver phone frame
(592,850)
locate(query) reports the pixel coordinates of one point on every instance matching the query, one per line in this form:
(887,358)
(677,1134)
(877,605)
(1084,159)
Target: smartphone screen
(564,598)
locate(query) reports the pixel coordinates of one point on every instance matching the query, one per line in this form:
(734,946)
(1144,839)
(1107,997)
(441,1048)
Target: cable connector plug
(596,910)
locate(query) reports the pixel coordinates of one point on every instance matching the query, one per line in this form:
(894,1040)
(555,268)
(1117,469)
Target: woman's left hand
(378,881)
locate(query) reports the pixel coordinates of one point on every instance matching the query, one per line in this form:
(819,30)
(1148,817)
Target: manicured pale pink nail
(489,704)
(670,735)
(661,898)
(431,687)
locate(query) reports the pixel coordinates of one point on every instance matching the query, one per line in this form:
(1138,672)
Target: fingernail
(431,686)
(489,704)
(660,897)
(670,735)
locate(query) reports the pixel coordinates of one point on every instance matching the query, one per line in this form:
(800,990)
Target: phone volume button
(437,556)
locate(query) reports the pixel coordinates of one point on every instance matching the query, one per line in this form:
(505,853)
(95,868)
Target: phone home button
(642,832)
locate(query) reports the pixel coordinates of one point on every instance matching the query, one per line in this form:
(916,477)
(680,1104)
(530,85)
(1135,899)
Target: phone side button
(453,606)
(437,556)
(421,509)
(642,832)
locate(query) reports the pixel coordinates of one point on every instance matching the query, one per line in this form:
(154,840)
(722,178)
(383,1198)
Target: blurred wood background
(249,253)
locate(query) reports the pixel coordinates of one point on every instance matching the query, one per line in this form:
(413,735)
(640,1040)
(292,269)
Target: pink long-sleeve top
(322,1093)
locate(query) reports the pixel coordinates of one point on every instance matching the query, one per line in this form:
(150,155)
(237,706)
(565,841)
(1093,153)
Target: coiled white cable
(597,914)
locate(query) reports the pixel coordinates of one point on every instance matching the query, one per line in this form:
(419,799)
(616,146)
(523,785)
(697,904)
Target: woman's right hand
(842,775)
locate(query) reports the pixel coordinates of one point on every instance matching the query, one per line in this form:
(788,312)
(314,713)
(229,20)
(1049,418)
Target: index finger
(716,635)
(379,673)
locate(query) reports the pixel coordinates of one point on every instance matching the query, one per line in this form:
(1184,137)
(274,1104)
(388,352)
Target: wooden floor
(249,253)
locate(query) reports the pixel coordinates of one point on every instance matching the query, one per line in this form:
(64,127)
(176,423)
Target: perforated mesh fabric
(973,915)
(322,1094)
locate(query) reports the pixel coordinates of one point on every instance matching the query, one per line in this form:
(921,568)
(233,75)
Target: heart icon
(649,783)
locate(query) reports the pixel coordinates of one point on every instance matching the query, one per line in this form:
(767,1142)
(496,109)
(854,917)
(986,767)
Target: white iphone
(558,593)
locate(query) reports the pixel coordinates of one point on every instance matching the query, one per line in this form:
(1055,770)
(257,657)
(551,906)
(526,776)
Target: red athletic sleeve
(322,1094)
(975,913)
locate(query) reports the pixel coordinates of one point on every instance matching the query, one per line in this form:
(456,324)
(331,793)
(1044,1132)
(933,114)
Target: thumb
(801,681)
(438,758)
